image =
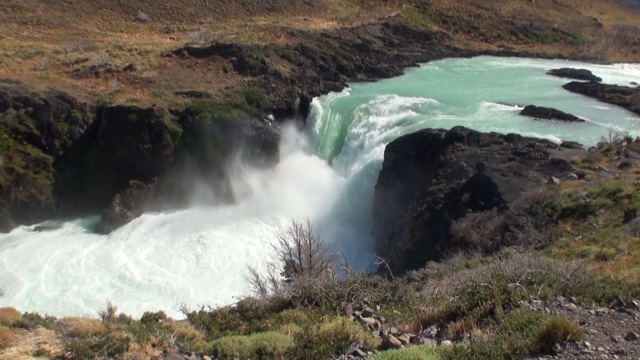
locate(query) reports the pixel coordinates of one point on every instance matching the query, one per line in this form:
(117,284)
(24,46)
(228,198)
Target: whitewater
(327,173)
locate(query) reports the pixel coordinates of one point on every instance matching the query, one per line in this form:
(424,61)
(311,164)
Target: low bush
(331,337)
(557,330)
(410,353)
(465,298)
(266,345)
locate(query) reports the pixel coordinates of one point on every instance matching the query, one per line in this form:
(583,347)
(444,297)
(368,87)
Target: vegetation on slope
(114,49)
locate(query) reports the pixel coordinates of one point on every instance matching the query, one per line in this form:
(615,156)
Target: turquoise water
(483,93)
(327,173)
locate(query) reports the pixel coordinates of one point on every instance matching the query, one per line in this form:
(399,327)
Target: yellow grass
(9,315)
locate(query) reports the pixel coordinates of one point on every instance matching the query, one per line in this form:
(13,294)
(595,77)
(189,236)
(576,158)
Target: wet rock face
(623,96)
(124,143)
(431,178)
(127,205)
(58,157)
(35,129)
(546,113)
(576,74)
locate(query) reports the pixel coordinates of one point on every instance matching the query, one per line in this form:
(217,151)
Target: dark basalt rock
(545,113)
(124,143)
(623,96)
(127,205)
(35,129)
(431,178)
(322,62)
(576,74)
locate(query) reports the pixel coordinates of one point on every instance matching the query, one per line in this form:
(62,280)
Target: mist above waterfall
(327,173)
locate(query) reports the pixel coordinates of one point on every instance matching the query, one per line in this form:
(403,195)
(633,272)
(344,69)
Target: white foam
(196,256)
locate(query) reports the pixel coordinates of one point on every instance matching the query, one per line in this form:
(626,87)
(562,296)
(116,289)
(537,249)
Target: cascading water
(200,256)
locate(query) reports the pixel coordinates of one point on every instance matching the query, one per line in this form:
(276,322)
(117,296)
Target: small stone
(367,312)
(553,181)
(587,345)
(557,348)
(390,342)
(206,357)
(394,330)
(404,339)
(602,311)
(616,339)
(601,349)
(371,322)
(359,353)
(446,343)
(572,177)
(631,336)
(592,312)
(429,342)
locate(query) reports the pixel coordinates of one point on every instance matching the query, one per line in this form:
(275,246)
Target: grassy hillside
(114,48)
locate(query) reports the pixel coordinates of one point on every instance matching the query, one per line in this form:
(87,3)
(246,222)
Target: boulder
(390,342)
(553,181)
(623,96)
(546,113)
(431,178)
(576,74)
(127,205)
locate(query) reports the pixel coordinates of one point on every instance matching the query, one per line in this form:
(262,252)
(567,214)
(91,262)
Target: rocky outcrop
(576,74)
(124,143)
(127,205)
(36,128)
(546,113)
(623,96)
(60,157)
(315,63)
(431,178)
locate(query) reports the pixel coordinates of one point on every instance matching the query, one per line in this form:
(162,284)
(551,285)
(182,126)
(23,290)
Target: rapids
(327,173)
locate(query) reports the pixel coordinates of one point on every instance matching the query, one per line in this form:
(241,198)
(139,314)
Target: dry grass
(36,344)
(9,315)
(601,237)
(53,43)
(50,44)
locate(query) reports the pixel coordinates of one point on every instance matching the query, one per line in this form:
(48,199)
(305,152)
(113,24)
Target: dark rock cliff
(36,128)
(431,178)
(60,157)
(623,96)
(320,62)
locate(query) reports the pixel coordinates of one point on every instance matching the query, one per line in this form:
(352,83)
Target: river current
(200,256)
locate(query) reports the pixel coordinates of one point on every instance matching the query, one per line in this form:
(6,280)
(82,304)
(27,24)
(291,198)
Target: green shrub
(410,353)
(557,330)
(333,336)
(153,317)
(255,97)
(205,110)
(32,320)
(267,345)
